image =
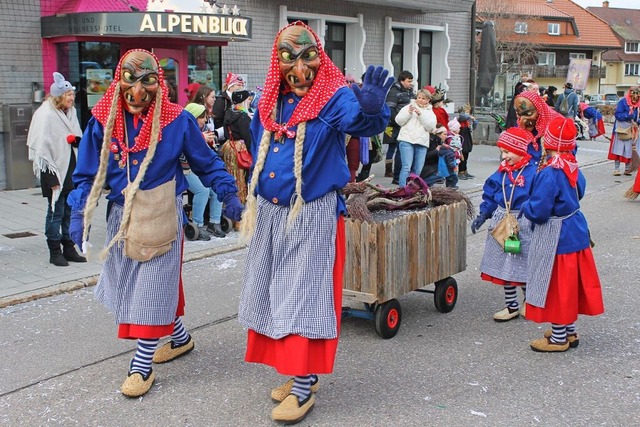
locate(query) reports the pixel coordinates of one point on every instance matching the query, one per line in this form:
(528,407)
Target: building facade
(201,41)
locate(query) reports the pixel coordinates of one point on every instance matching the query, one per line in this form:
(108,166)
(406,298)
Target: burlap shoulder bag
(624,130)
(153,224)
(508,226)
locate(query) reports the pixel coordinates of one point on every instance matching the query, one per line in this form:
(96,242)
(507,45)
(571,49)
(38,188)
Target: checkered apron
(140,293)
(500,264)
(544,244)
(288,280)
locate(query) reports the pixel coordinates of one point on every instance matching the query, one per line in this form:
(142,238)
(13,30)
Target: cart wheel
(226,224)
(388,318)
(446,294)
(191,231)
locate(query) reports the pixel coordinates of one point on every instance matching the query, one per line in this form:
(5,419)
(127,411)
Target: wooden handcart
(387,259)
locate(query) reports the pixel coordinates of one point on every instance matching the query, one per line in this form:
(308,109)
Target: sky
(621,4)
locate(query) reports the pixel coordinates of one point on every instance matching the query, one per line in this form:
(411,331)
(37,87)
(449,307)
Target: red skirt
(133,332)
(636,183)
(496,281)
(574,289)
(294,354)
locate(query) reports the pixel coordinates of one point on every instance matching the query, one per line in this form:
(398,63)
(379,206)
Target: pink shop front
(85,43)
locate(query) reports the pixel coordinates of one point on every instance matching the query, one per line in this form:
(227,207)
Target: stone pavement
(25,272)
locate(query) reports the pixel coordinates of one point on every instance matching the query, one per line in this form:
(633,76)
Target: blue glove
(76,227)
(477,223)
(232,207)
(374,89)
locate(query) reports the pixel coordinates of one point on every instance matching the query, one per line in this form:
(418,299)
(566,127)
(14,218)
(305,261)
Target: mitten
(232,207)
(76,227)
(374,89)
(477,223)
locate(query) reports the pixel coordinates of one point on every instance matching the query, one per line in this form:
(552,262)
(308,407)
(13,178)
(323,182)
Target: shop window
(204,66)
(90,67)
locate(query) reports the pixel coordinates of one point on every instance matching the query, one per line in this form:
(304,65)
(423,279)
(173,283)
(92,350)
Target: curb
(74,285)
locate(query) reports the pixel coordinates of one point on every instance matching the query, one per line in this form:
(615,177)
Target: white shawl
(47,141)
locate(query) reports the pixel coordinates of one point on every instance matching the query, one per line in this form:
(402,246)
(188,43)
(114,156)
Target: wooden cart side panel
(391,258)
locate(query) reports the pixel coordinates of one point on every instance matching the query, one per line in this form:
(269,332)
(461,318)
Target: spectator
(446,152)
(416,122)
(53,139)
(567,102)
(400,94)
(467,124)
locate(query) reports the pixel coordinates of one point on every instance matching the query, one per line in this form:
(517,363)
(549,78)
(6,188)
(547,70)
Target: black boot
(69,252)
(388,168)
(55,254)
(216,230)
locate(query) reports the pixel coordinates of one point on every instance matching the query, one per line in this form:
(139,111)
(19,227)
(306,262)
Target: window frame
(547,55)
(551,26)
(628,69)
(521,27)
(627,50)
(576,55)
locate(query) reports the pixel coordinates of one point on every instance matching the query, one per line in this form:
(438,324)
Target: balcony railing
(559,71)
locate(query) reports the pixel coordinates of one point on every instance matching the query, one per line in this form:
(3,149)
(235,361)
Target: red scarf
(630,103)
(505,167)
(569,165)
(101,112)
(328,80)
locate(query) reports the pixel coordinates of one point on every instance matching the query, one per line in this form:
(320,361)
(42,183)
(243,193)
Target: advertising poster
(98,80)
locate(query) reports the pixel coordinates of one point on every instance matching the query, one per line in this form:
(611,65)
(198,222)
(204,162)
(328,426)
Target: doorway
(173,63)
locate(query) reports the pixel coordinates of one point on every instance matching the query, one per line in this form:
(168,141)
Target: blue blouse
(492,195)
(180,136)
(552,195)
(324,165)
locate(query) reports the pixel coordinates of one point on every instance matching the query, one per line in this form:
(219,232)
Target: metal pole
(472,60)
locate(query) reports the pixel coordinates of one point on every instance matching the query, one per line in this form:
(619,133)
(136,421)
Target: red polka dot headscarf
(328,80)
(545,114)
(169,111)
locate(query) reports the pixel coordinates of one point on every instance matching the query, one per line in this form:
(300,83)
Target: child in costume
(133,124)
(509,185)
(562,279)
(291,300)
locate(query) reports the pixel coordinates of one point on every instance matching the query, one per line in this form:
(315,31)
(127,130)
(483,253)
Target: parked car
(603,99)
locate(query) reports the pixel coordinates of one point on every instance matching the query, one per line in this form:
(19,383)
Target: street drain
(19,235)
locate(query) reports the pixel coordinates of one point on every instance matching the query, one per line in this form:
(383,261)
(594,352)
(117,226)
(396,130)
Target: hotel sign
(194,26)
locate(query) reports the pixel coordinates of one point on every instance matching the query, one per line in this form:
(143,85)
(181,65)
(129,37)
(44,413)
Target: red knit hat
(232,80)
(515,140)
(430,88)
(560,135)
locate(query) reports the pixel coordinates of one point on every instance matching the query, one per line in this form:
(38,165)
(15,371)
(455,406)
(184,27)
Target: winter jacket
(397,98)
(415,128)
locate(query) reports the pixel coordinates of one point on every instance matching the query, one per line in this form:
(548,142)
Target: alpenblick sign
(149,24)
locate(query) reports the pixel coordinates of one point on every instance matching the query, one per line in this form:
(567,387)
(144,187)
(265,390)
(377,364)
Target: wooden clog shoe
(278,394)
(545,345)
(137,384)
(290,411)
(170,351)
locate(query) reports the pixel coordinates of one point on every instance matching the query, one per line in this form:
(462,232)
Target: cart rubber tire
(388,318)
(445,295)
(226,224)
(191,231)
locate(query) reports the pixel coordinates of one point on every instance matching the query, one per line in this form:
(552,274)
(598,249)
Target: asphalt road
(62,365)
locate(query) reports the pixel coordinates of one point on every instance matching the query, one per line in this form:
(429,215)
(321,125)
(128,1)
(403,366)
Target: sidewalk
(25,272)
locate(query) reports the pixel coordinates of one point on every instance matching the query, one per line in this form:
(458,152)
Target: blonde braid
(132,188)
(250,213)
(543,157)
(297,171)
(101,175)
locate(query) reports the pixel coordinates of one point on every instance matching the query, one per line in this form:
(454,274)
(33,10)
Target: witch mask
(298,58)
(139,80)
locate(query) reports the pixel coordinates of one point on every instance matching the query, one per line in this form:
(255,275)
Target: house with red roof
(546,40)
(623,64)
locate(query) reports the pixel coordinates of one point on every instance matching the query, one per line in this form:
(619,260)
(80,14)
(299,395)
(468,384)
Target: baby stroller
(191,231)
